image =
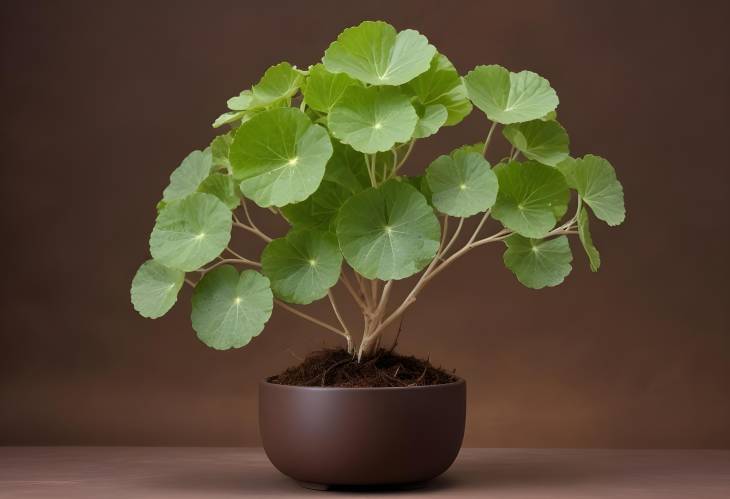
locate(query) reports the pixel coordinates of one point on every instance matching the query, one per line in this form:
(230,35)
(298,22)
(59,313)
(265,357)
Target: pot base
(363,488)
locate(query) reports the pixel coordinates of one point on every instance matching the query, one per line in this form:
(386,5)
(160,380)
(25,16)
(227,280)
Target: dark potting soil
(337,368)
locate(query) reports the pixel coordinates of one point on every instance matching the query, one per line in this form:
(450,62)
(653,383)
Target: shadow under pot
(361,437)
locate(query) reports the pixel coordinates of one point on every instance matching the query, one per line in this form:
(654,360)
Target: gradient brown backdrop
(102,100)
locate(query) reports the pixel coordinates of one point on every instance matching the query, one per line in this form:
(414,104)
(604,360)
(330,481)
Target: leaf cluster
(325,147)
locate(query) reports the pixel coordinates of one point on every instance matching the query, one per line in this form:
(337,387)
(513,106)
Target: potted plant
(325,148)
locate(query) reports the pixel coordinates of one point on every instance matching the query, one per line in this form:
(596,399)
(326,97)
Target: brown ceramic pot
(328,437)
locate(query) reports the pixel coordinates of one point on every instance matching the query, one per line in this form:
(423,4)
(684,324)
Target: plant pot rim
(442,386)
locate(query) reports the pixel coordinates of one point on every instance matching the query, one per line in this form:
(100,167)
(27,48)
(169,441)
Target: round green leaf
(462,184)
(538,262)
(544,141)
(388,232)
(186,178)
(507,97)
(595,180)
(441,84)
(324,89)
(230,309)
(584,234)
(279,156)
(223,187)
(531,199)
(191,232)
(373,119)
(345,175)
(302,266)
(155,288)
(430,120)
(374,53)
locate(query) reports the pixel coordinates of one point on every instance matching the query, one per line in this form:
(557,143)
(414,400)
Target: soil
(337,368)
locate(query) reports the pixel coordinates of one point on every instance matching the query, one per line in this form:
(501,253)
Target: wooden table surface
(176,472)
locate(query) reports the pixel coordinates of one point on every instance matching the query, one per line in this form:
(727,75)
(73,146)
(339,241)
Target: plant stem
(402,161)
(190,282)
(223,261)
(489,138)
(348,336)
(310,318)
(346,281)
(242,258)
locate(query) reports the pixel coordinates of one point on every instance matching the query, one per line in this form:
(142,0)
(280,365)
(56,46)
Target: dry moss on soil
(337,368)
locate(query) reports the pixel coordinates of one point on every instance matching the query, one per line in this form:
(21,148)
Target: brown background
(101,102)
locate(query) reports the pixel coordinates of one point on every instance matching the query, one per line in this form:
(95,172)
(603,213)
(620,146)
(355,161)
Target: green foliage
(584,233)
(191,232)
(595,180)
(330,150)
(538,263)
(279,156)
(507,97)
(388,232)
(223,187)
(544,141)
(189,175)
(324,89)
(155,288)
(373,119)
(441,85)
(229,308)
(375,54)
(345,175)
(462,184)
(532,198)
(302,266)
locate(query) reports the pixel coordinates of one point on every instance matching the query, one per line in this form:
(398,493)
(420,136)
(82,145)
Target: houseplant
(325,149)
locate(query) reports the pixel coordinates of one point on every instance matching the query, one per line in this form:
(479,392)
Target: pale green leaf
(373,119)
(186,178)
(230,309)
(441,84)
(584,234)
(462,184)
(240,102)
(219,148)
(155,288)
(507,97)
(345,175)
(595,180)
(388,232)
(430,120)
(531,199)
(191,232)
(544,141)
(538,262)
(223,187)
(279,82)
(228,117)
(280,157)
(302,266)
(324,89)
(374,53)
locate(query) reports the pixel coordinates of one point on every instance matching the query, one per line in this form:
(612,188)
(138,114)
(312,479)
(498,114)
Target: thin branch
(223,261)
(310,318)
(454,236)
(190,282)
(346,281)
(254,231)
(342,322)
(479,227)
(243,259)
(252,227)
(444,231)
(403,159)
(364,291)
(489,138)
